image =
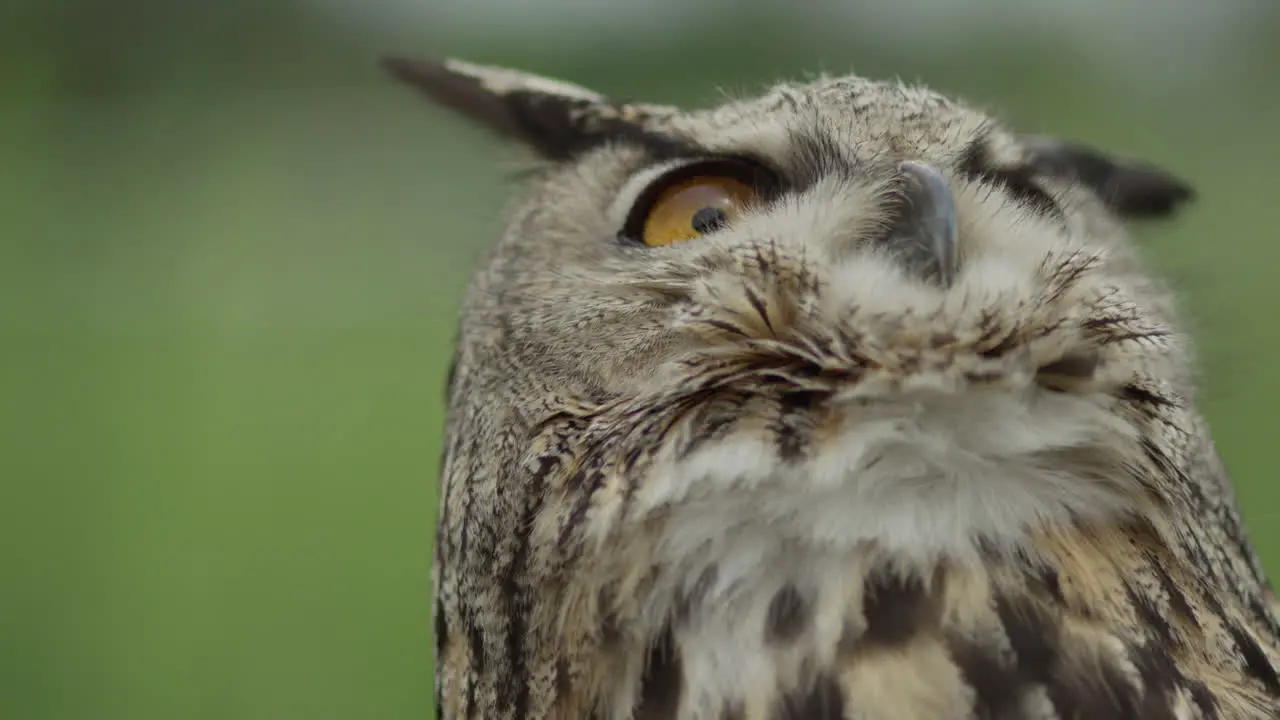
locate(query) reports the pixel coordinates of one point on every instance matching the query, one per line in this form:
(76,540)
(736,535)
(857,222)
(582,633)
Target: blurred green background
(231,255)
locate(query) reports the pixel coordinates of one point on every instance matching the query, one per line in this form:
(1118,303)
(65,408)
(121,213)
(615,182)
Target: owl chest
(800,636)
(803,633)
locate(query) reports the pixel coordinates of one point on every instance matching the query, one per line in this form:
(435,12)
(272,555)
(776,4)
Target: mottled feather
(775,473)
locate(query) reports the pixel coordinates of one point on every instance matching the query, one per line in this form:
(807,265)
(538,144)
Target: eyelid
(633,189)
(642,189)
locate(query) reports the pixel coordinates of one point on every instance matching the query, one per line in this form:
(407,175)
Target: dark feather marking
(441,637)
(1035,638)
(564,685)
(896,608)
(1142,396)
(1255,660)
(1166,469)
(714,417)
(1178,603)
(814,156)
(1151,617)
(987,321)
(823,701)
(1006,343)
(1204,699)
(1066,272)
(760,308)
(794,423)
(993,552)
(1096,691)
(688,597)
(1260,611)
(673,415)
(631,459)
(997,689)
(973,159)
(1211,580)
(662,682)
(478,662)
(787,616)
(1072,367)
(725,326)
(1052,584)
(1130,188)
(468,496)
(588,478)
(516,592)
(1119,337)
(1022,185)
(1019,182)
(1160,678)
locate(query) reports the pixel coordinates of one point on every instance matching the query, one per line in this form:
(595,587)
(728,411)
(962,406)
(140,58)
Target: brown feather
(770,473)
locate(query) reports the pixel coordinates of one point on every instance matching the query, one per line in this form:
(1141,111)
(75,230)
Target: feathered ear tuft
(555,118)
(1131,188)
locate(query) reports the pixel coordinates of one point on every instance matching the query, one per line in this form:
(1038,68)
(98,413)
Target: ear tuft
(555,118)
(1131,188)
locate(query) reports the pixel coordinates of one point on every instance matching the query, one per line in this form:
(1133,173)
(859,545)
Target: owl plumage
(912,435)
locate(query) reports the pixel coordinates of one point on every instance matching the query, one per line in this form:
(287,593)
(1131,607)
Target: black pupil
(709,219)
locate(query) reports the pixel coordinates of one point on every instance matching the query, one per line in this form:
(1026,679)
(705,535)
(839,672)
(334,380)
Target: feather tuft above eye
(1131,188)
(556,119)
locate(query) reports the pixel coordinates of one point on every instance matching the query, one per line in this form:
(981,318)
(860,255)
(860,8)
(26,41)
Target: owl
(844,400)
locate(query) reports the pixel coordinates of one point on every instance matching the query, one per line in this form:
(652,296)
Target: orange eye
(696,200)
(695,207)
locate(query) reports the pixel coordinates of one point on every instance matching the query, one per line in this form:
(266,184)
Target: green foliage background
(230,258)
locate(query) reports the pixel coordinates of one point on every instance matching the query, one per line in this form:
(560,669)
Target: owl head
(725,367)
(835,295)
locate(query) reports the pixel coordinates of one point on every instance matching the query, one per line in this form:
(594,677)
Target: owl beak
(930,220)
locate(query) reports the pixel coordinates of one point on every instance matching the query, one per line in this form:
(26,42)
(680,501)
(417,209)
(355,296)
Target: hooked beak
(927,227)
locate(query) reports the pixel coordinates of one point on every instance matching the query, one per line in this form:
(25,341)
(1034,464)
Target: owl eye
(694,201)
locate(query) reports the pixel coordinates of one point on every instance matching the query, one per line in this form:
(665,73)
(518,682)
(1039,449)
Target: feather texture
(773,473)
